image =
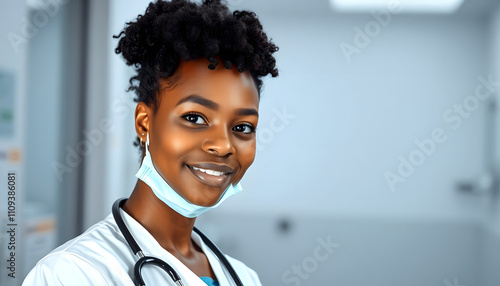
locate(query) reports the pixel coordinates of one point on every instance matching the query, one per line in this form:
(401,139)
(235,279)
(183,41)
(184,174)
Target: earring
(141,141)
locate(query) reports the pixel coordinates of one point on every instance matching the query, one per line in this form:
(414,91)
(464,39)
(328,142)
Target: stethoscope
(143,260)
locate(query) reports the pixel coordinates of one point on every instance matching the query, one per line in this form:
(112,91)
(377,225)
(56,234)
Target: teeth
(210,172)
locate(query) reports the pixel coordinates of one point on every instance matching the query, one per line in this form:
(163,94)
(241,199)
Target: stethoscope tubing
(158,262)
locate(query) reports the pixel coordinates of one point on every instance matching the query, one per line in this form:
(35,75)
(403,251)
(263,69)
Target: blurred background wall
(379,138)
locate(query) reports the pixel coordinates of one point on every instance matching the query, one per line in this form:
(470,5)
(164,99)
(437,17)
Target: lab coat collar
(151,247)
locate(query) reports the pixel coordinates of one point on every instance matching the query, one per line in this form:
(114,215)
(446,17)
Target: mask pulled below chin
(148,174)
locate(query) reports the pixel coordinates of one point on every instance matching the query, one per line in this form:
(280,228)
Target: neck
(168,227)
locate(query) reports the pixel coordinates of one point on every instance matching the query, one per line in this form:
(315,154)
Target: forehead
(225,86)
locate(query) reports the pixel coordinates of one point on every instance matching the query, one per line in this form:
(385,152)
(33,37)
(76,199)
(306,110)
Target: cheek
(247,155)
(176,144)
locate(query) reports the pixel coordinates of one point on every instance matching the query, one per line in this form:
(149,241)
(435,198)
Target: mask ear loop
(141,141)
(147,140)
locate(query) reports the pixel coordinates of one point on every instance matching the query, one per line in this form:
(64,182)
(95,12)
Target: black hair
(179,30)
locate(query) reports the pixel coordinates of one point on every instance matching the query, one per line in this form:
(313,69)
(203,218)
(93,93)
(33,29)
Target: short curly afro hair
(173,31)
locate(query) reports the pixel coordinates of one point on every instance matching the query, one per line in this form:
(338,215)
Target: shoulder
(65,268)
(82,260)
(246,274)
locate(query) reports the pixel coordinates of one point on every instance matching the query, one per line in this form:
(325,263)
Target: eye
(244,128)
(194,118)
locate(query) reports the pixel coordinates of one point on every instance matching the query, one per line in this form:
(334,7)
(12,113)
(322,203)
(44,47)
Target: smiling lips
(211,174)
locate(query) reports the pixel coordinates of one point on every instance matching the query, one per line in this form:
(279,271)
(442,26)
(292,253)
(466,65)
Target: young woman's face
(202,136)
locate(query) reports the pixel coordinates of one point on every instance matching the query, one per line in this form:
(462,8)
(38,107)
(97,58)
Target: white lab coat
(101,256)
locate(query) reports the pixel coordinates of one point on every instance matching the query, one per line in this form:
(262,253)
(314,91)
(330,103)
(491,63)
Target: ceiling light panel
(405,6)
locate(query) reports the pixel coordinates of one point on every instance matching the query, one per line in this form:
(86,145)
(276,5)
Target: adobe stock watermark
(455,282)
(454,117)
(93,138)
(363,37)
(39,19)
(301,272)
(278,123)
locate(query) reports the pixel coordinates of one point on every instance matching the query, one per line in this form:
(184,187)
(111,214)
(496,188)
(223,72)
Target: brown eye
(244,128)
(194,118)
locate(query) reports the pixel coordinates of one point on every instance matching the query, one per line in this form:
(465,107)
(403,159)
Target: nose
(219,142)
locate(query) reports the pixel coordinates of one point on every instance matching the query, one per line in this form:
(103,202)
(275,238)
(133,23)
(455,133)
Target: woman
(198,83)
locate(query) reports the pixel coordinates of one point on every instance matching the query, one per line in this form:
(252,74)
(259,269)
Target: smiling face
(202,136)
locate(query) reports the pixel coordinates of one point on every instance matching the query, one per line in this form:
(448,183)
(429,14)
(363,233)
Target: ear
(142,116)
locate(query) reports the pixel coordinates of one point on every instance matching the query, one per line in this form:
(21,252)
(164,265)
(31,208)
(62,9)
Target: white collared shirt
(101,256)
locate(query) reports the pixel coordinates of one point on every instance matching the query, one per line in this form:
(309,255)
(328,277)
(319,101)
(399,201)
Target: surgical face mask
(148,174)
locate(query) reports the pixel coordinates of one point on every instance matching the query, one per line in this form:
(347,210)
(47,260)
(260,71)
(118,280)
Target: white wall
(45,99)
(495,68)
(362,251)
(491,237)
(353,120)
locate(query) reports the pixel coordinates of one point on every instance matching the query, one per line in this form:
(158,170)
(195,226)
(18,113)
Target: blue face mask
(148,174)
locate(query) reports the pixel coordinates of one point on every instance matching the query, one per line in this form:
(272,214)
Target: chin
(205,201)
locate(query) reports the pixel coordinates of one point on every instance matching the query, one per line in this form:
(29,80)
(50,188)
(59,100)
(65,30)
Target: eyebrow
(200,100)
(214,106)
(247,111)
